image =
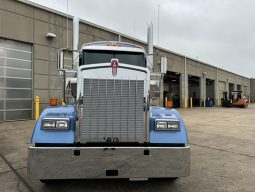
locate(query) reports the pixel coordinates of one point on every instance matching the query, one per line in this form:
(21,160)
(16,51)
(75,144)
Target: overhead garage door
(222,88)
(15,80)
(245,91)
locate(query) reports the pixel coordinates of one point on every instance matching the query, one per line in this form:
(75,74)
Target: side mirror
(163,68)
(66,59)
(60,60)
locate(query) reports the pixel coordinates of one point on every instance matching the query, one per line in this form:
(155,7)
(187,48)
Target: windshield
(97,56)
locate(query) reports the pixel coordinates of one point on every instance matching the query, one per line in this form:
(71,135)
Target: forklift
(233,99)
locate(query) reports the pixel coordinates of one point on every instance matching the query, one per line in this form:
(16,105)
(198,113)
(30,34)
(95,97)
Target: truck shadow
(111,185)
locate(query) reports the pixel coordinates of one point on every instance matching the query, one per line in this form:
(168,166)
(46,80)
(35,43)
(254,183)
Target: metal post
(158,21)
(217,87)
(67,38)
(185,83)
(37,107)
(191,102)
(64,86)
(62,101)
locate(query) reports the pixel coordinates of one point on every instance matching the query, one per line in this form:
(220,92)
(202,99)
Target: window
(130,58)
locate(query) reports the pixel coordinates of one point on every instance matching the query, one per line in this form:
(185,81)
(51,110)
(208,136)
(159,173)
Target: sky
(218,32)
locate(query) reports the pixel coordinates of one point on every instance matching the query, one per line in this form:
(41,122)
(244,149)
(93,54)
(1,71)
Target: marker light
(53,102)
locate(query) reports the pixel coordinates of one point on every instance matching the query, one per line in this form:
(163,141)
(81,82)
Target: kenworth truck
(109,129)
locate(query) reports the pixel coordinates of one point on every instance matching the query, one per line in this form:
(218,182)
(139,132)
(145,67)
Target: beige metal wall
(28,23)
(252,90)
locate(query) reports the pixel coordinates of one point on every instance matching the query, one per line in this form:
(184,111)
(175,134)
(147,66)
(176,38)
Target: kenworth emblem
(114,64)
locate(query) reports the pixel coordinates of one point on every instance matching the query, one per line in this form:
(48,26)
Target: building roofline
(157,47)
(124,35)
(45,8)
(112,31)
(197,60)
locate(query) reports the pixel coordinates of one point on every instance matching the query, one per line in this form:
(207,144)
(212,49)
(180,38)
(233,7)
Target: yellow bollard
(165,102)
(63,102)
(218,102)
(191,102)
(185,103)
(204,101)
(37,107)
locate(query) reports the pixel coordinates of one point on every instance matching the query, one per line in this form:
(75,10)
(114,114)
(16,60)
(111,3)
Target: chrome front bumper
(108,162)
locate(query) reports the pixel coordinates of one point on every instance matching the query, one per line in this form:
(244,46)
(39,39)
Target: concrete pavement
(222,157)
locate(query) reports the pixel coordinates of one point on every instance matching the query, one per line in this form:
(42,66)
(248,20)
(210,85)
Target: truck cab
(108,127)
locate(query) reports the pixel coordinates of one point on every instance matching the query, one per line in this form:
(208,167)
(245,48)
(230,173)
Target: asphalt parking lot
(222,157)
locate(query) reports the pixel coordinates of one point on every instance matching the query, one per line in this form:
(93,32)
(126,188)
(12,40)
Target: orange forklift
(234,99)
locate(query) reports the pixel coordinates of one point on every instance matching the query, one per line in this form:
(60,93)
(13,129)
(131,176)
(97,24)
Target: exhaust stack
(75,40)
(150,46)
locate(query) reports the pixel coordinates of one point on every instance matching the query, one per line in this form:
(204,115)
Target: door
(15,80)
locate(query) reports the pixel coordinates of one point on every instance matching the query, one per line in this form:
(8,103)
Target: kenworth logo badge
(114,64)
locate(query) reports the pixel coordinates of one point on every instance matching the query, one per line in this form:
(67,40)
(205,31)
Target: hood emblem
(114,64)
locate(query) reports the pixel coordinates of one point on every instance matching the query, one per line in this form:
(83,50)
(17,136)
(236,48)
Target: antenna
(150,45)
(67,43)
(158,21)
(134,27)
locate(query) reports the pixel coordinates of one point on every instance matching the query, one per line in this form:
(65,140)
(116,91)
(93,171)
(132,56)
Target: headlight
(51,123)
(167,124)
(62,124)
(48,123)
(161,125)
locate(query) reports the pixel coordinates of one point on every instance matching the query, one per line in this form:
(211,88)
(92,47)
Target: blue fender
(167,137)
(56,136)
(68,136)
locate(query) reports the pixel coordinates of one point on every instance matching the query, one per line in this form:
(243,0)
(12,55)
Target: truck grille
(113,111)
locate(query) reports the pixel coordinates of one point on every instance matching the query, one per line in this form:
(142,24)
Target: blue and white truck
(109,129)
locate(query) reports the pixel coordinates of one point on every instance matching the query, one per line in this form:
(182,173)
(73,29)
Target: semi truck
(110,128)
